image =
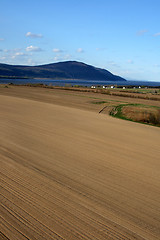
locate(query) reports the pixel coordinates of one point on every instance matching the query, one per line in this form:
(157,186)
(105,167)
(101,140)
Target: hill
(61,70)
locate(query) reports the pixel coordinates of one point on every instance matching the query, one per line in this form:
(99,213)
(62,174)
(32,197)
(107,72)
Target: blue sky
(122,36)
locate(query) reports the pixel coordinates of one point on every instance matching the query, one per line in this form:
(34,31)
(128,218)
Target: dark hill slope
(61,70)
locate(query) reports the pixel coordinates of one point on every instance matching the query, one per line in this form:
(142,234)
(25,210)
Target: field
(69,170)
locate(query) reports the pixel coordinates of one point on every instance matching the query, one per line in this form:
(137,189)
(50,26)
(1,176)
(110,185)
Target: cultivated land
(68,172)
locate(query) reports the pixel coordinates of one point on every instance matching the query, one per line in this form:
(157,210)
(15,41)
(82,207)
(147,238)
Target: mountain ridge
(60,70)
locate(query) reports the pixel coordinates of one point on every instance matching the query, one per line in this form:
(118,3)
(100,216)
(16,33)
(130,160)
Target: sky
(122,36)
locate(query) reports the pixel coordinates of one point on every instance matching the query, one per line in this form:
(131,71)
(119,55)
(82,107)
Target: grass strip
(117,112)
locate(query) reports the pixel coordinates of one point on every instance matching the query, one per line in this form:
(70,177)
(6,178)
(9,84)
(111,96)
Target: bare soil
(68,172)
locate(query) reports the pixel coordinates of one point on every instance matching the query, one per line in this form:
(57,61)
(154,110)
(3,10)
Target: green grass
(100,102)
(4,86)
(139,90)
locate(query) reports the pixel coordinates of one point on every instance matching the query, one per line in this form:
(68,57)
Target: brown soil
(68,172)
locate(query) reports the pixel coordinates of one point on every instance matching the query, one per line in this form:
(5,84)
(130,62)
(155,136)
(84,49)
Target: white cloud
(80,50)
(12,50)
(1,39)
(33,35)
(142,32)
(67,57)
(157,65)
(33,49)
(130,61)
(60,57)
(14,56)
(57,50)
(57,58)
(157,34)
(30,62)
(3,58)
(18,54)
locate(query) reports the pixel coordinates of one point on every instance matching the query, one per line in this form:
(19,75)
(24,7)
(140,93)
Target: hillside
(60,70)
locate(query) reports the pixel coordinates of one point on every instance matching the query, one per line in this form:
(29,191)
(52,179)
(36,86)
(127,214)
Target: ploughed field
(70,172)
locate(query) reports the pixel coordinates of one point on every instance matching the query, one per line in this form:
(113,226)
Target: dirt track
(68,172)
